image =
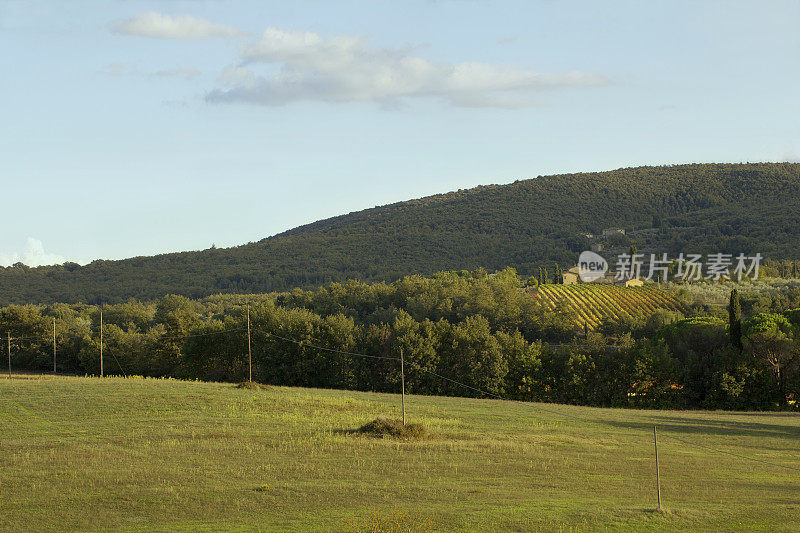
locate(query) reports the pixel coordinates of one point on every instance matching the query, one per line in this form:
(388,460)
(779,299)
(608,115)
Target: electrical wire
(461,384)
(544,409)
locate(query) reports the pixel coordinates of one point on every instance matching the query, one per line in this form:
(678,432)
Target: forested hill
(692,208)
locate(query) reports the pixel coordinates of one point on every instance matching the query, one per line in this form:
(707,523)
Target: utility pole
(54,345)
(101,341)
(9,354)
(403,385)
(249,352)
(658,474)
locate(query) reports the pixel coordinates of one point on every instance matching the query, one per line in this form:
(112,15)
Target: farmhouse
(611,279)
(607,232)
(571,276)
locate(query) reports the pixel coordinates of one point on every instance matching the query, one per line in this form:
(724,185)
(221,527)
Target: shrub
(251,385)
(384,427)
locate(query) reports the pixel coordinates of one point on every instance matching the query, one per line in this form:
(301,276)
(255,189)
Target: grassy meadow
(142,454)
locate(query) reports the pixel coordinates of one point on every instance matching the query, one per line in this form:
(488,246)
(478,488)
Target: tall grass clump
(391,428)
(251,385)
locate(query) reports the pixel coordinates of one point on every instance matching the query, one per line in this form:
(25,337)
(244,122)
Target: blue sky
(134,128)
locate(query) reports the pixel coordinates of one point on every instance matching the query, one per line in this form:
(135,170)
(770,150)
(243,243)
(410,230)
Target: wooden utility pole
(54,345)
(101,342)
(658,474)
(249,352)
(403,385)
(9,354)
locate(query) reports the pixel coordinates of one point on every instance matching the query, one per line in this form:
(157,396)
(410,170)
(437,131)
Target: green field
(594,303)
(143,454)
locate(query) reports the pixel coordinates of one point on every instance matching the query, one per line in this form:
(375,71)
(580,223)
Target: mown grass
(141,454)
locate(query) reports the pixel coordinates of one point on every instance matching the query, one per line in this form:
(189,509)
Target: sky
(136,128)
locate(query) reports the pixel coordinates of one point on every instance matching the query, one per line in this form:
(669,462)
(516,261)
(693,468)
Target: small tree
(735,320)
(770,338)
(558,277)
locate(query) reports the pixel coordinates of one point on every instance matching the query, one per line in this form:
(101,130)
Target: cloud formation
(348,69)
(34,255)
(185,27)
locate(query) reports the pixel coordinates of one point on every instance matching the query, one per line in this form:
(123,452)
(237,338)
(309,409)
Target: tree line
(482,330)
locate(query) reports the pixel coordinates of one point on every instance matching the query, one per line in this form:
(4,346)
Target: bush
(384,427)
(251,385)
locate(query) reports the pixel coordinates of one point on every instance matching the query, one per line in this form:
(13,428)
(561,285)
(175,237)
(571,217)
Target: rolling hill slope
(170,455)
(693,208)
(594,303)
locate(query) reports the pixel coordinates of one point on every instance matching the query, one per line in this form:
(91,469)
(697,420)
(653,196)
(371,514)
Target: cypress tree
(558,279)
(544,275)
(735,319)
(633,270)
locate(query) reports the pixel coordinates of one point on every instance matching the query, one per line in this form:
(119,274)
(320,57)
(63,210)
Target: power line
(540,408)
(459,383)
(310,345)
(97,330)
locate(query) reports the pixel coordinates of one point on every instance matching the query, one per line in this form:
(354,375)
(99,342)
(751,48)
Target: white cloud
(34,255)
(348,69)
(234,76)
(161,26)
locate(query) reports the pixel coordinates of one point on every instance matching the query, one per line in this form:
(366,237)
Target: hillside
(89,454)
(693,208)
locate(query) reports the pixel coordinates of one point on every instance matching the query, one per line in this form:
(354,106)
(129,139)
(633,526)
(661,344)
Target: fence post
(54,345)
(403,385)
(249,352)
(658,474)
(101,342)
(9,354)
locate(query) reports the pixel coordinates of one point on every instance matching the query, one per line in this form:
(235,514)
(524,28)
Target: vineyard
(594,303)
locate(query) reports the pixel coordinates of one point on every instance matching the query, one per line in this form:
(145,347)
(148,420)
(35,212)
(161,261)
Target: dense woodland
(703,208)
(461,333)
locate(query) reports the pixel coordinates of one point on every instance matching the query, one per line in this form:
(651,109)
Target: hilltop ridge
(700,208)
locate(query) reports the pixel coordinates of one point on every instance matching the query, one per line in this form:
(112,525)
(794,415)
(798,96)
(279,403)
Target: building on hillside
(606,279)
(611,279)
(571,276)
(596,247)
(607,232)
